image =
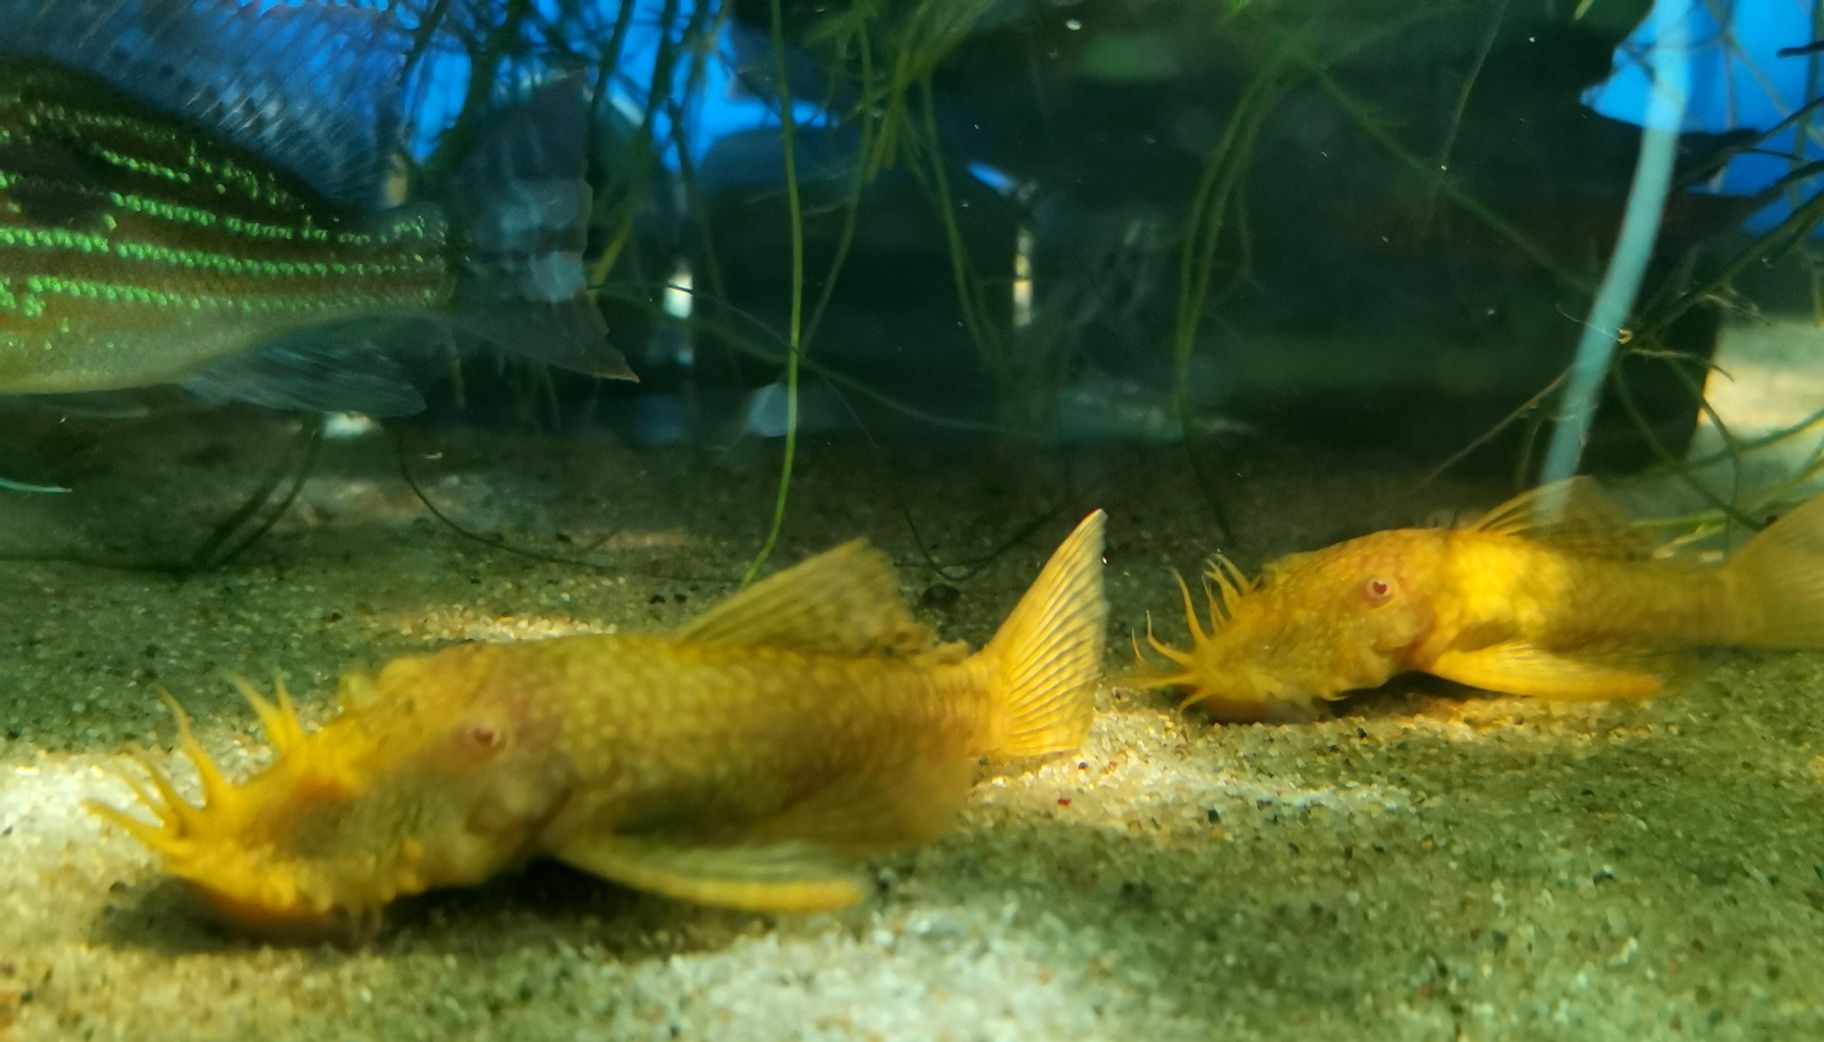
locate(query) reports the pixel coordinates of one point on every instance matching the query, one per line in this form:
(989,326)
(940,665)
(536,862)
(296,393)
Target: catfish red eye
(472,744)
(1377,591)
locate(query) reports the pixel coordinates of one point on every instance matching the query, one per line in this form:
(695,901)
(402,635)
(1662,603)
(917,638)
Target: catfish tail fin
(1046,660)
(522,203)
(1779,582)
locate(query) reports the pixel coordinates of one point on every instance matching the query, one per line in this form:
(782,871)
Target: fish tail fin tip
(1047,657)
(522,202)
(1779,581)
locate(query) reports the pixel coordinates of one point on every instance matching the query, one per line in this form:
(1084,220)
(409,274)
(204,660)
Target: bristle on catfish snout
(180,822)
(1224,585)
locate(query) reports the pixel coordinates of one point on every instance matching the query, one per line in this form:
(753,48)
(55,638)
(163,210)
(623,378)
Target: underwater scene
(960,520)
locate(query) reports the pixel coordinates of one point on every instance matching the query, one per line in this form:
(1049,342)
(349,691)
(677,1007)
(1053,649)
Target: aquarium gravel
(1428,864)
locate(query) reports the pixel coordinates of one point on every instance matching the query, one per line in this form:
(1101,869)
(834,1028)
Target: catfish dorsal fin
(842,602)
(1574,515)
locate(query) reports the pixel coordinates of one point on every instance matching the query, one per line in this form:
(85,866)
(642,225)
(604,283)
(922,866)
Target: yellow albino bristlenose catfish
(1562,608)
(749,759)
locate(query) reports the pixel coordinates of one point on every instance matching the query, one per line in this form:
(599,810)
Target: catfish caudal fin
(1047,658)
(522,204)
(1779,582)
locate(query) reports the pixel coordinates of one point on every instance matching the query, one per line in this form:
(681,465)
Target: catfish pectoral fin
(1519,668)
(779,877)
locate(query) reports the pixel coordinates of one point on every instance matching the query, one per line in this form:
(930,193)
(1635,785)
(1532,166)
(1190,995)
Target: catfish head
(1311,628)
(433,774)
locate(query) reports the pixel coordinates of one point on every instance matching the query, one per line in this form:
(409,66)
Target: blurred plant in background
(1090,221)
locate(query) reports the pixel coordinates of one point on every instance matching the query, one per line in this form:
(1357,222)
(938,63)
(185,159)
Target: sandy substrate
(1430,864)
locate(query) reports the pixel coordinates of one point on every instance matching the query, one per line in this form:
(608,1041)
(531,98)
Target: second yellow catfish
(1556,605)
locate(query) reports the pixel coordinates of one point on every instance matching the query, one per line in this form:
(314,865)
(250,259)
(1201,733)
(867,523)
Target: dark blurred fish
(190,193)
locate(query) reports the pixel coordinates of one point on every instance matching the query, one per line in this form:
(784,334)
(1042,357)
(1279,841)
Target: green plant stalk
(1452,128)
(851,206)
(795,345)
(1520,412)
(968,286)
(605,64)
(1773,437)
(642,148)
(1657,318)
(1672,463)
(698,28)
(693,194)
(1224,175)
(1783,236)
(1221,182)
(1370,124)
(484,69)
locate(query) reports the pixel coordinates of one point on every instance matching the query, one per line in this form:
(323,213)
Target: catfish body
(747,760)
(1520,602)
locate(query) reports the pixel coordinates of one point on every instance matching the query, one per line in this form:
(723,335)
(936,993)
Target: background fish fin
(1779,582)
(842,602)
(781,877)
(521,202)
(1519,668)
(333,369)
(315,90)
(1047,657)
(569,334)
(1589,522)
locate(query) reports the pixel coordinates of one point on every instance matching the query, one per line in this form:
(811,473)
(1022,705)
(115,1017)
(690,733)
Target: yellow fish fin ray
(1517,667)
(288,711)
(1198,636)
(1144,675)
(160,840)
(355,691)
(1575,515)
(844,601)
(1210,596)
(782,877)
(1171,654)
(1231,582)
(178,818)
(1243,583)
(142,792)
(1779,582)
(1191,698)
(1045,662)
(215,787)
(161,797)
(284,731)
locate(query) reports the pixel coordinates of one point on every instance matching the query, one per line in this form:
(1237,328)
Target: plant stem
(795,345)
